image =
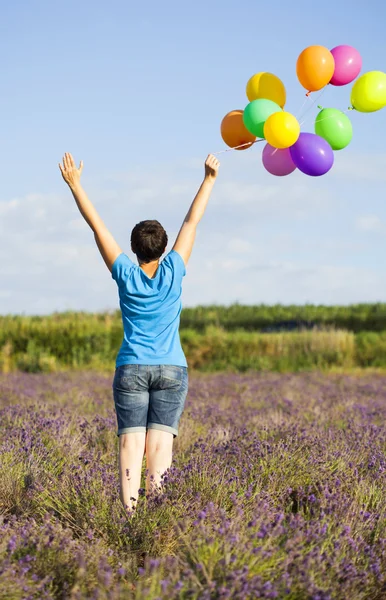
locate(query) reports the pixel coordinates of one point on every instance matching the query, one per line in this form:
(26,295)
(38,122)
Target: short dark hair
(148,240)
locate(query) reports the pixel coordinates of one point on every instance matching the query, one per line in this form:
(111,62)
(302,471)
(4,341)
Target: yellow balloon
(281,130)
(369,92)
(268,86)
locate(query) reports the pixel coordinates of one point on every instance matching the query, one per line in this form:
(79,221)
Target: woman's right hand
(212,166)
(70,173)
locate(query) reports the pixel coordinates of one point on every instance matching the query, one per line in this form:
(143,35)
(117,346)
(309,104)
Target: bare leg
(159,445)
(131,450)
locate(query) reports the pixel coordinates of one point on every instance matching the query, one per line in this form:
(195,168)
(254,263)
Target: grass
(276,491)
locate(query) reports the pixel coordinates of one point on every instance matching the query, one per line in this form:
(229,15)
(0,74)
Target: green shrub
(82,340)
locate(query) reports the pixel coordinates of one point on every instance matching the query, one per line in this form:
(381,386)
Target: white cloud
(236,193)
(78,224)
(231,265)
(296,198)
(240,246)
(8,206)
(360,166)
(370,223)
(261,240)
(284,282)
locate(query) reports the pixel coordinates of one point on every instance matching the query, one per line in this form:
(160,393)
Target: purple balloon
(277,162)
(312,154)
(348,64)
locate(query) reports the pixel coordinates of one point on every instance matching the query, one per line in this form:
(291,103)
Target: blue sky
(138,91)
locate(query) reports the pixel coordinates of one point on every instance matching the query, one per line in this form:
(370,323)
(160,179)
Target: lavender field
(277,490)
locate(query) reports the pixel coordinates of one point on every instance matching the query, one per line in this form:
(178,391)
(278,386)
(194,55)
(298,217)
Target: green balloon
(335,127)
(256,113)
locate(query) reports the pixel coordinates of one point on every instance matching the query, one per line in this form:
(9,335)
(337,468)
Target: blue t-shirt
(151,310)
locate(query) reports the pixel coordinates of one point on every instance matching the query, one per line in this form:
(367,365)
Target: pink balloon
(348,63)
(277,162)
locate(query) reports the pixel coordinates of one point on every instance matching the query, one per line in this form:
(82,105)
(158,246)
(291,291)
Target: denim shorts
(149,397)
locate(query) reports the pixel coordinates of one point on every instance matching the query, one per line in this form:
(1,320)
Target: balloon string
(325,118)
(299,112)
(237,147)
(313,102)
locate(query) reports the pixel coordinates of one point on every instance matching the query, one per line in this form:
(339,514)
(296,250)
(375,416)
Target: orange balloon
(315,68)
(233,131)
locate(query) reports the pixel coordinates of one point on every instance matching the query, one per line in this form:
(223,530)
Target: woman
(151,381)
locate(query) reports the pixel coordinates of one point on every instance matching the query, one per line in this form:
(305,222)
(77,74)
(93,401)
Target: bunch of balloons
(287,147)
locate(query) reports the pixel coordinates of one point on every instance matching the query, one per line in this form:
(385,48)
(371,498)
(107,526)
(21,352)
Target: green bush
(357,317)
(81,340)
(371,349)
